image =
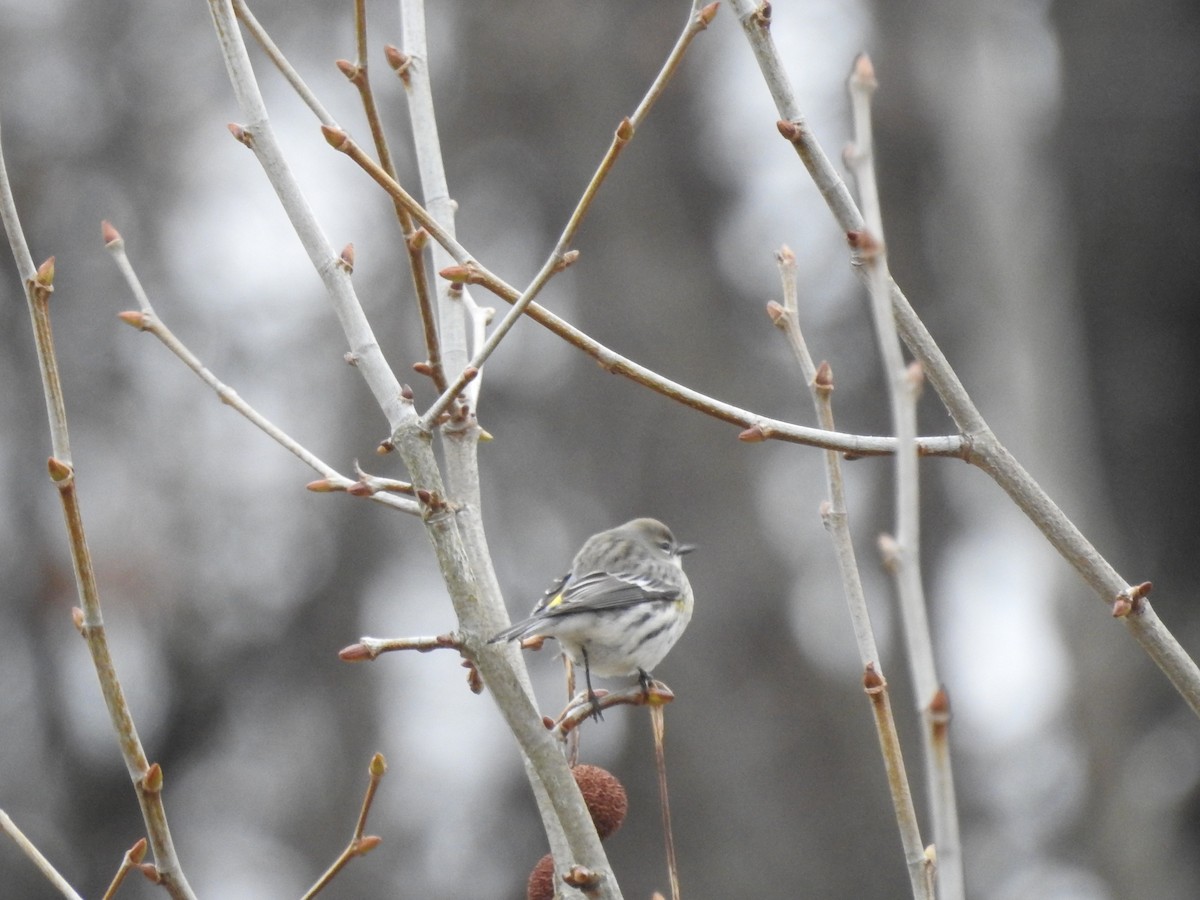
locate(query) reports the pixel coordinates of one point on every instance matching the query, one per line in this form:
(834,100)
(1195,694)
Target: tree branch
(982,448)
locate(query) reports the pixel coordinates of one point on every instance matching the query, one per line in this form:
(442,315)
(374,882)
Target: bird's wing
(588,593)
(604,590)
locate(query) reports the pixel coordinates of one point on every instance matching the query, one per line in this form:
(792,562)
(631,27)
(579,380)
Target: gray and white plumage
(623,605)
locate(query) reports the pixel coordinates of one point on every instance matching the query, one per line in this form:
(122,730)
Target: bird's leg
(645,679)
(587,677)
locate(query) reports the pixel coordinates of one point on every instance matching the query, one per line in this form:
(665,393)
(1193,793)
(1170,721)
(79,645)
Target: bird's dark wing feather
(604,590)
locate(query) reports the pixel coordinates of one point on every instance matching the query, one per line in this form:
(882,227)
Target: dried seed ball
(541,880)
(604,796)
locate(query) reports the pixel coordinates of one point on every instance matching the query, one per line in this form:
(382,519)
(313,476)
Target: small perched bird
(622,606)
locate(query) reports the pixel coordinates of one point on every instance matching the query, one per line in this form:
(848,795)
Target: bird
(621,607)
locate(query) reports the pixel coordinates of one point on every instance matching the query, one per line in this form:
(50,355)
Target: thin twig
(755,427)
(257,133)
(904,383)
(368,648)
(147,779)
(455,312)
(357,73)
(30,276)
(837,523)
(9,827)
(414,243)
(833,514)
(263,39)
(658,726)
(562,256)
(131,860)
(920,866)
(360,844)
(145,319)
(582,707)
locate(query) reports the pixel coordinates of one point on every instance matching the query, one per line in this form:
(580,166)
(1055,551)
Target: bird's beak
(684,548)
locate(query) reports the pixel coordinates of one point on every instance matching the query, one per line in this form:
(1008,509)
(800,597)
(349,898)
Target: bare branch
(360,844)
(982,448)
(147,779)
(904,553)
(920,866)
(260,137)
(561,256)
(9,827)
(147,320)
(837,523)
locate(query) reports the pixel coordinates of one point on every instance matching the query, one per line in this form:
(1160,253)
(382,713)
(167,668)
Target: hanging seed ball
(604,796)
(606,801)
(541,880)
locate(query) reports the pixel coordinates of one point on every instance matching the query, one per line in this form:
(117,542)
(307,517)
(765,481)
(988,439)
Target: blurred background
(1041,190)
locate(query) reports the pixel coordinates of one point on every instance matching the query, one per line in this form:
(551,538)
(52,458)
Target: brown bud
(791,131)
(45,273)
(708,14)
(337,138)
(474,679)
(889,551)
(940,704)
(456,274)
(59,470)
(567,260)
(862,75)
(399,61)
(417,240)
(378,766)
(152,781)
(134,318)
(137,852)
(824,377)
(761,17)
(355,653)
(583,878)
(755,434)
(915,375)
(872,681)
(110,234)
(366,844)
(865,243)
(240,134)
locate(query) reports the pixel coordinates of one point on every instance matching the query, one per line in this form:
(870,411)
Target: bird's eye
(664,546)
